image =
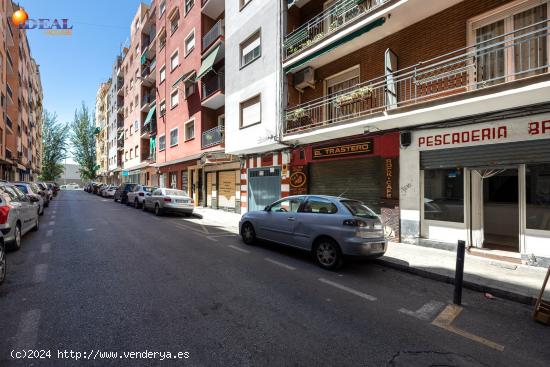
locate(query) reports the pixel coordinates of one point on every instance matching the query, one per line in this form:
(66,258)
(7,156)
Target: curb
(497,292)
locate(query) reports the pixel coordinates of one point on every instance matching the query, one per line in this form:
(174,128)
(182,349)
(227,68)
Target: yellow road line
(448,315)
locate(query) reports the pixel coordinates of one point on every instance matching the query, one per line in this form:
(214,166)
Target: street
(101,276)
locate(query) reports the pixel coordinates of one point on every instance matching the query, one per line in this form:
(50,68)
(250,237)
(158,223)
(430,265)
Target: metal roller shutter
(536,151)
(353,178)
(264,187)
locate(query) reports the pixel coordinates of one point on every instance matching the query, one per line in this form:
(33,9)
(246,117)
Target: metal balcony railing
(148,98)
(212,137)
(212,85)
(212,35)
(328,22)
(508,57)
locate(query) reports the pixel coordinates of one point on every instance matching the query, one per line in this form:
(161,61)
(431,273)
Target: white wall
(261,76)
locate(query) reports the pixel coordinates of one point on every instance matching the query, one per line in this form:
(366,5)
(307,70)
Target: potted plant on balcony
(297,118)
(357,95)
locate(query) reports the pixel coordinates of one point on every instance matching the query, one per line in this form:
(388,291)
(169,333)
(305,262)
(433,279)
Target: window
(131,153)
(136,126)
(243,3)
(287,205)
(174,21)
(136,151)
(189,88)
(190,43)
(537,194)
(174,98)
(250,112)
(174,60)
(188,5)
(162,74)
(511,44)
(162,39)
(162,107)
(174,137)
(250,49)
(162,7)
(162,142)
(190,130)
(320,206)
(444,195)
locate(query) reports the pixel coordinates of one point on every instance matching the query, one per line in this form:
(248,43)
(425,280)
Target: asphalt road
(101,277)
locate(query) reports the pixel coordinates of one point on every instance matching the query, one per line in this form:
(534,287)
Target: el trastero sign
(340,150)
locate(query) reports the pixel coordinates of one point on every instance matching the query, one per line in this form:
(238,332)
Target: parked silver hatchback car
(136,197)
(330,227)
(18,214)
(168,200)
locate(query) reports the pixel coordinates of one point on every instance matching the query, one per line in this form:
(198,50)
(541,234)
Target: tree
(83,141)
(54,141)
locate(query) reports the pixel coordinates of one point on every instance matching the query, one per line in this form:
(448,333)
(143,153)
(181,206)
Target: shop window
(319,206)
(538,196)
(174,180)
(444,195)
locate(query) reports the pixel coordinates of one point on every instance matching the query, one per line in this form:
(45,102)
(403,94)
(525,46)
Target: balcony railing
(212,35)
(212,85)
(502,59)
(328,22)
(212,137)
(148,98)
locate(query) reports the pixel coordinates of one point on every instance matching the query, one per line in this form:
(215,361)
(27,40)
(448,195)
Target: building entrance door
(501,209)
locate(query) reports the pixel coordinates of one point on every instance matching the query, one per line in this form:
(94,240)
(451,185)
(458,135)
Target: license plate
(181,201)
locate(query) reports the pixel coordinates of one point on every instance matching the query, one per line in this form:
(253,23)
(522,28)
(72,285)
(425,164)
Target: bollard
(459,272)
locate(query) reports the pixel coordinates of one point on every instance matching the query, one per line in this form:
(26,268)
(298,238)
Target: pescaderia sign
(339,150)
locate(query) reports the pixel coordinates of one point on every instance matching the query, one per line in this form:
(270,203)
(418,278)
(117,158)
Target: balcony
(147,101)
(120,86)
(330,21)
(459,73)
(212,137)
(216,32)
(213,8)
(213,85)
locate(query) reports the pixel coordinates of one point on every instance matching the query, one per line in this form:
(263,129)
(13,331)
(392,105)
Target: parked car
(168,200)
(3,260)
(54,187)
(109,191)
(122,192)
(138,194)
(44,187)
(37,190)
(327,226)
(18,214)
(30,190)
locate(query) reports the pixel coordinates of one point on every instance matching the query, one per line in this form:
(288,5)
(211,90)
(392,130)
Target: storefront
(222,177)
(363,168)
(487,184)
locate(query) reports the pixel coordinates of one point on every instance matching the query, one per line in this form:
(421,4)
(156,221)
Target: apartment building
(436,116)
(115,124)
(101,129)
(21,127)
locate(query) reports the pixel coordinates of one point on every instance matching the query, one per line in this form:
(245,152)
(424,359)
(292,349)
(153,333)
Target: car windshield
(173,192)
(359,209)
(23,188)
(11,193)
(148,188)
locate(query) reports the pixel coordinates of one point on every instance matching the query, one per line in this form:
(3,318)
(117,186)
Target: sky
(72,67)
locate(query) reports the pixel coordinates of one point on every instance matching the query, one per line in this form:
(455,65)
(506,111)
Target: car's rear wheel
(3,262)
(248,234)
(158,212)
(136,204)
(327,254)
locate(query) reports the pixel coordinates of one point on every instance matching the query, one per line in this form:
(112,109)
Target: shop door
(501,210)
(226,190)
(209,177)
(264,187)
(357,179)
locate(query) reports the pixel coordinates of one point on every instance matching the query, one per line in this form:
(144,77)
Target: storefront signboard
(342,150)
(298,180)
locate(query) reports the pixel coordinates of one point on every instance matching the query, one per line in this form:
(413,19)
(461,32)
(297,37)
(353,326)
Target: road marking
(280,264)
(90,229)
(426,312)
(27,330)
(53,216)
(52,223)
(46,247)
(448,315)
(239,249)
(213,237)
(40,272)
(350,290)
(54,212)
(49,233)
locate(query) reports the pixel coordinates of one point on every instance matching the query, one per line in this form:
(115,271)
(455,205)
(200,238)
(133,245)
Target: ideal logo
(59,27)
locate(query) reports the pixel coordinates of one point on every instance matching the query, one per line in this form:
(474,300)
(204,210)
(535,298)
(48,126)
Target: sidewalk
(520,283)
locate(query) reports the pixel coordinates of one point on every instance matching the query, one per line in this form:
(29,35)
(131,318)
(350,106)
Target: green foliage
(83,141)
(54,141)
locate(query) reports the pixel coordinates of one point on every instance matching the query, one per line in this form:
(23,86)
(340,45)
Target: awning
(349,37)
(149,115)
(208,63)
(144,58)
(185,77)
(152,145)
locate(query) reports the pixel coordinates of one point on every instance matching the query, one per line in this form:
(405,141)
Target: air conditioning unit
(304,78)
